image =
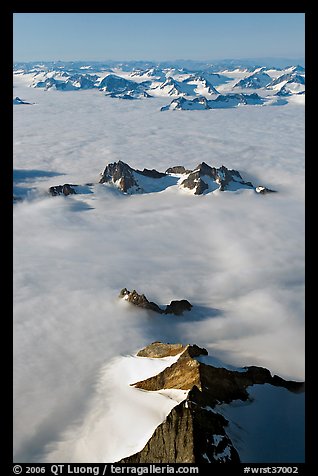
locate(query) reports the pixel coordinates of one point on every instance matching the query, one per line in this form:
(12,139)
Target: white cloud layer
(238,257)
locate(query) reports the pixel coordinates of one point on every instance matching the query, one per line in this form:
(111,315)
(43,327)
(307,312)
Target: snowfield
(237,257)
(262,430)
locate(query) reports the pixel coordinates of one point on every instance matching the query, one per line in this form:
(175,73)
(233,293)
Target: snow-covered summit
(202,84)
(259,79)
(173,87)
(202,179)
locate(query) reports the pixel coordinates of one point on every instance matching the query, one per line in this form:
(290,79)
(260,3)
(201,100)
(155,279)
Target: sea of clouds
(237,257)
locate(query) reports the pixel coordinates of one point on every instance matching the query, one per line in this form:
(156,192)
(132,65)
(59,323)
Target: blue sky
(157,36)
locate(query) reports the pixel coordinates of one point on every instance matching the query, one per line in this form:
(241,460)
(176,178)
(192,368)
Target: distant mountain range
(210,86)
(249,64)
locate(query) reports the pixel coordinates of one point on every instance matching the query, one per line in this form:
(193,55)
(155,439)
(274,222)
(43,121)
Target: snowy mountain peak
(201,180)
(195,430)
(204,179)
(120,174)
(259,79)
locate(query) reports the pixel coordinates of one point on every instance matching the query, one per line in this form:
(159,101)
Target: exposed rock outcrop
(216,384)
(65,189)
(206,178)
(175,307)
(202,179)
(190,434)
(178,169)
(139,300)
(194,431)
(153,173)
(159,350)
(120,174)
(178,307)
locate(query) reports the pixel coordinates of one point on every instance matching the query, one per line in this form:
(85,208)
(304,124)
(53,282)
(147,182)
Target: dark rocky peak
(139,300)
(195,182)
(153,173)
(178,169)
(222,179)
(130,180)
(65,189)
(194,431)
(178,307)
(202,179)
(214,385)
(205,169)
(224,176)
(175,307)
(121,174)
(116,170)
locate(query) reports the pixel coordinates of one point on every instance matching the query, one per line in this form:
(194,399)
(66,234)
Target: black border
(7,224)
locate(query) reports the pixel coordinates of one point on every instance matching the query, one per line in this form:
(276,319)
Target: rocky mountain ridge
(176,307)
(194,431)
(202,179)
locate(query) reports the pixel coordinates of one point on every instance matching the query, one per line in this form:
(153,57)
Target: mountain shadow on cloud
(35,449)
(22,176)
(197,313)
(170,327)
(180,308)
(80,206)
